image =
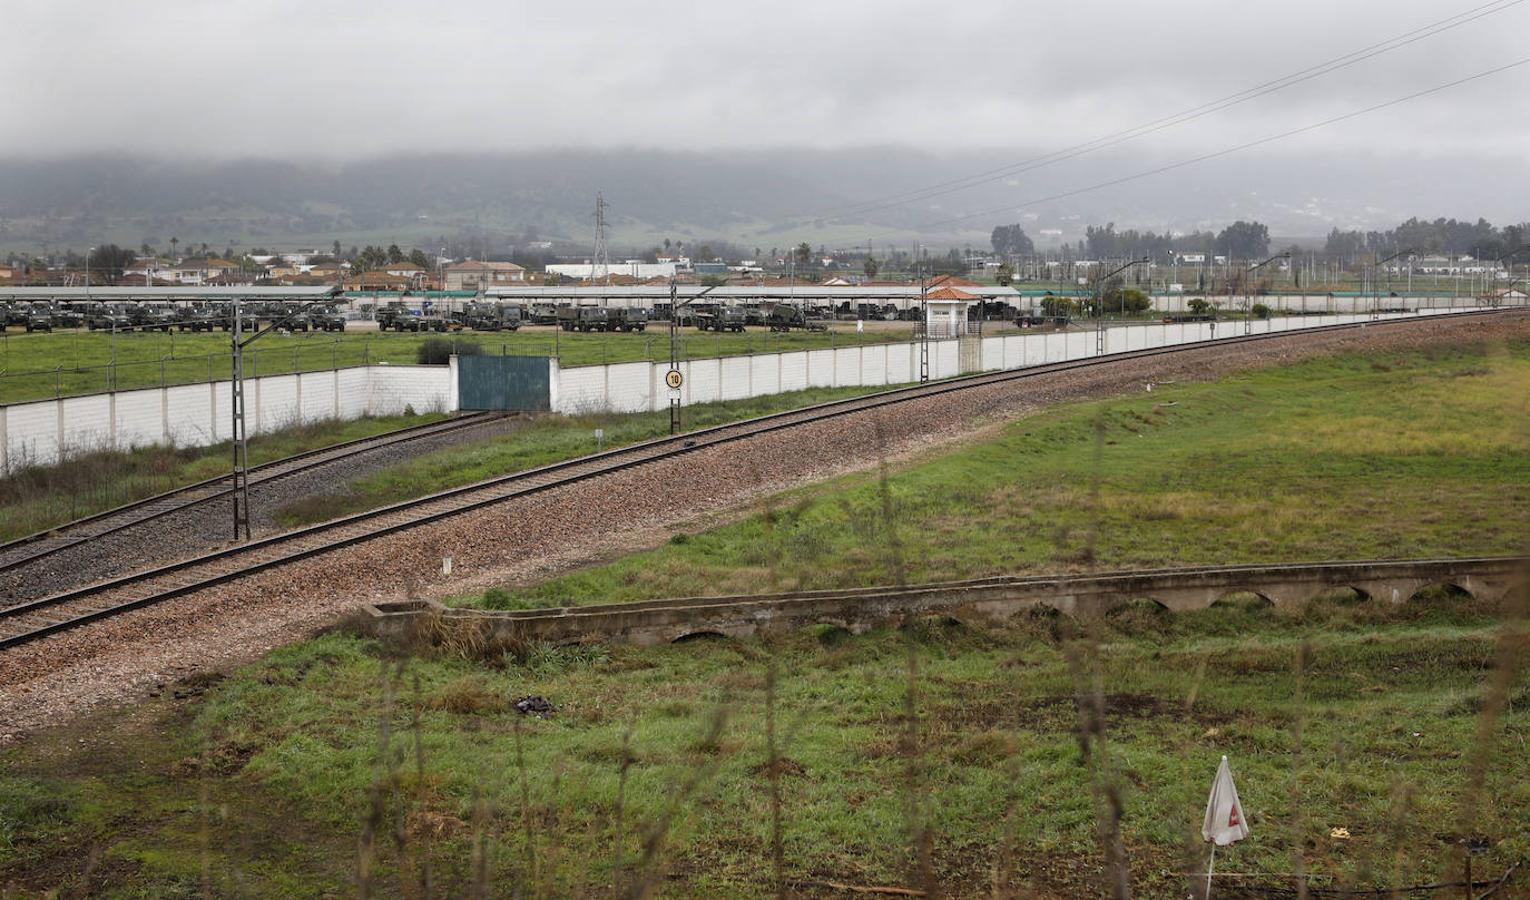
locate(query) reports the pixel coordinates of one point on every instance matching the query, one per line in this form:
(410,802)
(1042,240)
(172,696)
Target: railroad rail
(992,600)
(29,621)
(42,544)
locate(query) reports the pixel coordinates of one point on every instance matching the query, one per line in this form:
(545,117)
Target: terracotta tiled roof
(950,293)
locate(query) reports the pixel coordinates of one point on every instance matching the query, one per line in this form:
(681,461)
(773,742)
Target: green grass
(39,498)
(538,442)
(265,785)
(289,747)
(1403,455)
(41,366)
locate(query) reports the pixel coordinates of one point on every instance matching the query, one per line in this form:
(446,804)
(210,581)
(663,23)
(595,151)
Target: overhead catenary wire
(1119,137)
(1227,151)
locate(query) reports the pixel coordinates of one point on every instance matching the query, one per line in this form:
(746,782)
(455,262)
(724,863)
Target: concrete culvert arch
(691,637)
(1440,593)
(1245,600)
(827,633)
(1135,606)
(1340,595)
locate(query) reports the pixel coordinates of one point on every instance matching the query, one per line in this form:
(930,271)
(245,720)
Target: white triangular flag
(1225,821)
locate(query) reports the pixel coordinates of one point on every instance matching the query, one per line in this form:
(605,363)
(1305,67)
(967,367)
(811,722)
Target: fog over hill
(761,198)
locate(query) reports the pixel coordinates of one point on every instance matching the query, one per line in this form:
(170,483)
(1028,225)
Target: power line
(1120,137)
(1229,150)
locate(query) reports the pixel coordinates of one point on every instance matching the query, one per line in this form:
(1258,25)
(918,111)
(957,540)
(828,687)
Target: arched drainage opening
(1248,601)
(1139,614)
(696,637)
(828,633)
(1441,593)
(1137,606)
(1343,595)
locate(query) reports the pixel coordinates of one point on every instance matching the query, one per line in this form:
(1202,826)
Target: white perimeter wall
(42,432)
(639,387)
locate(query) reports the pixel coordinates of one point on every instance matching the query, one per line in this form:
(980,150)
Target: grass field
(1355,457)
(41,366)
(1366,738)
(656,768)
(39,498)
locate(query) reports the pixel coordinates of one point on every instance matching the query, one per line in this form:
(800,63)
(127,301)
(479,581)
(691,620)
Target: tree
(418,257)
(174,243)
(1052,305)
(1199,306)
(1119,299)
(335,248)
(1245,240)
(870,266)
(1006,274)
(1011,240)
(107,262)
(395,255)
(804,253)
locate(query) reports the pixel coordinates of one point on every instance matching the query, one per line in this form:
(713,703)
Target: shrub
(1261,311)
(437,351)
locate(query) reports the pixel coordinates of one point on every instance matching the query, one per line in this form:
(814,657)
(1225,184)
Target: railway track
(38,546)
(29,621)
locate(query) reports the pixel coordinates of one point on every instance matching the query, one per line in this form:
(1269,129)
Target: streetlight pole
(1248,304)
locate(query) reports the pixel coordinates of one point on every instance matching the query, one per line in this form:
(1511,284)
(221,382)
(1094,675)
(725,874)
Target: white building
(642,271)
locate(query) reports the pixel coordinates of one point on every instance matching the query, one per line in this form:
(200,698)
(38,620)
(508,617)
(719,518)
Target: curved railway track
(25,622)
(38,546)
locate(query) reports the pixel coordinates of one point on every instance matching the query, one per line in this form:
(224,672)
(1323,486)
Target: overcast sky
(349,78)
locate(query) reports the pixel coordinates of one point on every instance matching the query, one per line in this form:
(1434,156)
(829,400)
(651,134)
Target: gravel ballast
(55,678)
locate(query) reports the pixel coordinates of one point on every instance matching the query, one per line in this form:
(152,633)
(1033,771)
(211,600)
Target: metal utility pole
(1248,305)
(673,378)
(924,324)
(1099,302)
(601,267)
(1376,281)
(241,481)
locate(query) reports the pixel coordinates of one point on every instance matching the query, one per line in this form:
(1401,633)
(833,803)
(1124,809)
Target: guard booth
(510,383)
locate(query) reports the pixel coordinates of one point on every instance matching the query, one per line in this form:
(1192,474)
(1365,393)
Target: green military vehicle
(627,319)
(788,318)
(720,318)
(584,318)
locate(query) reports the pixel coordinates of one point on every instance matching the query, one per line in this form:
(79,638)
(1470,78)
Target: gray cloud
(346,79)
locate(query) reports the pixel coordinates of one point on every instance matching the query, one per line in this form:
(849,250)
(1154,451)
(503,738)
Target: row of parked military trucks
(491,316)
(98,315)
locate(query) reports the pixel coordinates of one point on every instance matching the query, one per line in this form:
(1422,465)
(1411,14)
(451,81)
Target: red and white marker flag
(1225,821)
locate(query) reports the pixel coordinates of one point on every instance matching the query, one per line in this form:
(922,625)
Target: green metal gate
(504,382)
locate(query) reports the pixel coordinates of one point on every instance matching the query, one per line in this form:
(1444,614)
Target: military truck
(153,316)
(543,314)
(326,317)
(69,315)
(720,318)
(393,316)
(195,318)
(110,317)
(627,319)
(584,318)
(40,317)
(787,318)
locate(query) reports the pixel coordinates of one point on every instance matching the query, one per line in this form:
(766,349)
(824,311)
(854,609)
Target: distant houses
(472,275)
